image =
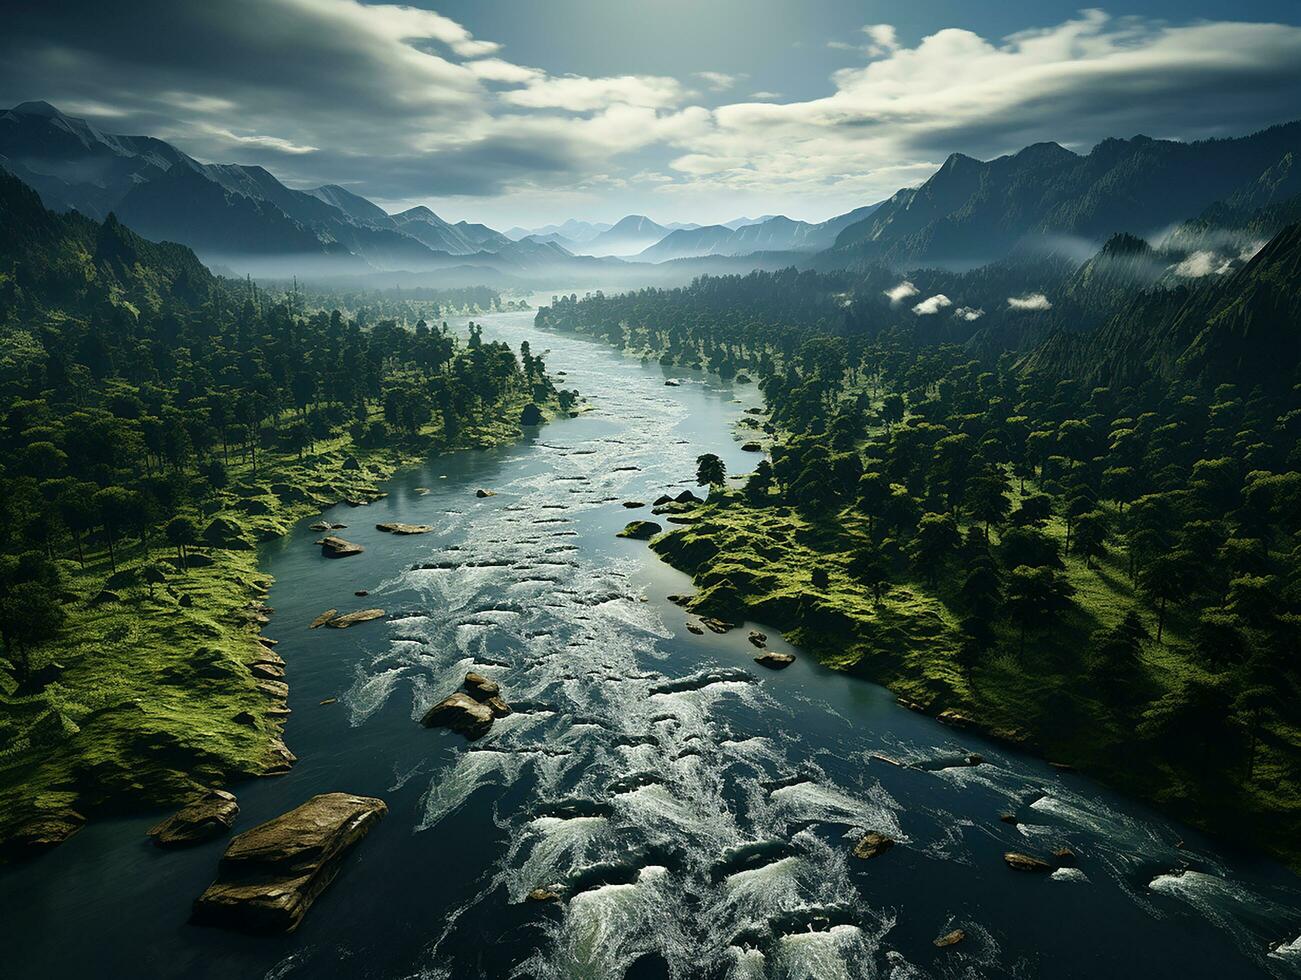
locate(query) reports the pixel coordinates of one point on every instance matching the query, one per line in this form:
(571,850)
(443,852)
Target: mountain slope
(1228,329)
(972,210)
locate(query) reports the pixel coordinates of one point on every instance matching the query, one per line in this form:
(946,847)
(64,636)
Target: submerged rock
(545,894)
(633,504)
(461,713)
(396,528)
(693,628)
(205,818)
(872,845)
(1024,862)
(641,530)
(951,938)
(336,547)
(716,625)
(775,661)
(752,447)
(1064,857)
(350,619)
(270,875)
(327,526)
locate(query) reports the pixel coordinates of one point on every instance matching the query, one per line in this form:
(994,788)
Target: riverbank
(161,687)
(756,561)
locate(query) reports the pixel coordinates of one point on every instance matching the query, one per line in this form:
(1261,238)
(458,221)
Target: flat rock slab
(461,713)
(327,526)
(322,619)
(775,661)
(270,875)
(349,619)
(405,528)
(336,547)
(197,822)
(1024,862)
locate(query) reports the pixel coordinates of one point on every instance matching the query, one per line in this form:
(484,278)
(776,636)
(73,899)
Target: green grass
(155,698)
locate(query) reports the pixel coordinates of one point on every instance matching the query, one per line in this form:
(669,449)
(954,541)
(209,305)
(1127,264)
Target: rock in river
(951,938)
(405,528)
(270,875)
(641,530)
(461,713)
(872,845)
(348,619)
(205,818)
(775,661)
(1024,862)
(336,547)
(485,493)
(480,688)
(322,619)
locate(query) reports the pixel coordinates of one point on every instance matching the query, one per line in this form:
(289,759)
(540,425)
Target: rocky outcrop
(461,713)
(872,845)
(44,832)
(480,688)
(641,530)
(775,661)
(336,547)
(270,875)
(205,818)
(404,528)
(757,638)
(322,619)
(352,618)
(951,938)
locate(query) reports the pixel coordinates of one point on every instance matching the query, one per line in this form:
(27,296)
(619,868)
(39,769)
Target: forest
(156,423)
(1101,565)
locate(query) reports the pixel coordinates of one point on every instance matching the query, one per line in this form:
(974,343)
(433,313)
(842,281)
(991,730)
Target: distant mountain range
(775,233)
(1212,204)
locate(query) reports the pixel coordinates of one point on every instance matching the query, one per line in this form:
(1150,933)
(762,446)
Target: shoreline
(162,690)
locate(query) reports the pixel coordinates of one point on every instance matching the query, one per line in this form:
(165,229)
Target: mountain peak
(37,108)
(1123,243)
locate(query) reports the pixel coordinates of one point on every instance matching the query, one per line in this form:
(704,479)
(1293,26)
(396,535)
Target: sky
(528,112)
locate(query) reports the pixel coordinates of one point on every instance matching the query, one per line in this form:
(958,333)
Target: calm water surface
(701,809)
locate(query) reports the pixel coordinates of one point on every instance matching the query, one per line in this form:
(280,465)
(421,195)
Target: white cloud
(882,39)
(763,96)
(1030,301)
(932,304)
(717,80)
(901,292)
(577,93)
(968,313)
(496,70)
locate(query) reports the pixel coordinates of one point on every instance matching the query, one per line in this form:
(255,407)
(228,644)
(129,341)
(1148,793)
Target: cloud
(719,81)
(765,96)
(579,94)
(1204,263)
(901,292)
(932,304)
(1030,301)
(882,39)
(968,313)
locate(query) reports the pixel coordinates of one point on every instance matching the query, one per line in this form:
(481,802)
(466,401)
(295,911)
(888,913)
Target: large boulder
(205,818)
(871,845)
(641,530)
(775,661)
(481,688)
(461,713)
(336,547)
(270,875)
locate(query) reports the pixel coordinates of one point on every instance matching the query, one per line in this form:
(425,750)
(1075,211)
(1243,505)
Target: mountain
(970,211)
(773,234)
(230,213)
(1214,330)
(76,264)
(628,237)
(572,229)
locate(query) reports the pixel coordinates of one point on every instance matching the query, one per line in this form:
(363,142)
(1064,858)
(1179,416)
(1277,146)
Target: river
(702,808)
